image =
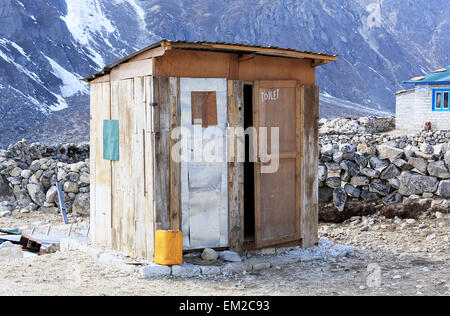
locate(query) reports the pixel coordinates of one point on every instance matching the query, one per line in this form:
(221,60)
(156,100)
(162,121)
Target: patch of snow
(20,3)
(155,8)
(71,83)
(84,19)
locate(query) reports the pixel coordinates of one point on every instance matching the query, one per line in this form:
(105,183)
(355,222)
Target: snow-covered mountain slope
(46,45)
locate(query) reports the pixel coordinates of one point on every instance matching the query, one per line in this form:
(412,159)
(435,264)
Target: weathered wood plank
(175,167)
(140,194)
(116,223)
(236,169)
(309,215)
(149,168)
(162,120)
(102,169)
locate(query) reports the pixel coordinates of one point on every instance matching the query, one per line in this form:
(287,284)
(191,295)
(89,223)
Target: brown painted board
(310,138)
(235,168)
(277,199)
(201,64)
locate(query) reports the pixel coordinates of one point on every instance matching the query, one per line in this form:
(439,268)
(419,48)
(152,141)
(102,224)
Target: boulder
(447,159)
(369,196)
(371,173)
(361,160)
(419,164)
(230,256)
(334,182)
(339,199)
(16,172)
(427,149)
(367,150)
(413,183)
(380,187)
(325,194)
(378,164)
(322,174)
(390,172)
(210,255)
(444,189)
(351,167)
(359,181)
(37,193)
(70,187)
(327,150)
(51,194)
(352,191)
(393,198)
(81,205)
(390,153)
(438,169)
(346,148)
(6,193)
(402,164)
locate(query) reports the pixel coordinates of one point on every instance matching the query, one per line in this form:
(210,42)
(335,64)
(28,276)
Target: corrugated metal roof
(440,76)
(219,47)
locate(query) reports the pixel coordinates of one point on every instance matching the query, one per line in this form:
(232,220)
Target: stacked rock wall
(29,173)
(391,168)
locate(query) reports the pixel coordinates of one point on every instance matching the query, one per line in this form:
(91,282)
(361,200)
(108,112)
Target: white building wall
(415,107)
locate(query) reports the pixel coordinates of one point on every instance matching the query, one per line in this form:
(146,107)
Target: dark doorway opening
(249,169)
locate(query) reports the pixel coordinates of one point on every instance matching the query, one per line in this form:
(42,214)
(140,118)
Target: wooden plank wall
(310,193)
(122,194)
(236,169)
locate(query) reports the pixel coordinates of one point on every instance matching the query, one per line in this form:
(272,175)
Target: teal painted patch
(111,140)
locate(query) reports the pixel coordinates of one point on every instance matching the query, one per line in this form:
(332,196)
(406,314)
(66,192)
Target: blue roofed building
(427,101)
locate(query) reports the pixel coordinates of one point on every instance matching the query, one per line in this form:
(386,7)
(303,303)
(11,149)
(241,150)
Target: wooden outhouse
(138,186)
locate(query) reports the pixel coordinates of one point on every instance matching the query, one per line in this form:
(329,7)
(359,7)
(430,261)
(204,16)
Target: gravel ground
(392,258)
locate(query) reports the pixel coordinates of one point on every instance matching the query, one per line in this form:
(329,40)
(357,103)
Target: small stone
(230,256)
(439,215)
(186,271)
(339,199)
(210,270)
(431,237)
(365,229)
(154,271)
(411,221)
(210,255)
(423,226)
(261,266)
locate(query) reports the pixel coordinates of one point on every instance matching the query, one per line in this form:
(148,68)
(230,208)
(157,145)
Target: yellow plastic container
(168,247)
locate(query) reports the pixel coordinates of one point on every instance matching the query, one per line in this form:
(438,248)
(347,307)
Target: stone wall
(394,169)
(29,173)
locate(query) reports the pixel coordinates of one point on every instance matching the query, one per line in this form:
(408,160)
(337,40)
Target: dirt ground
(390,260)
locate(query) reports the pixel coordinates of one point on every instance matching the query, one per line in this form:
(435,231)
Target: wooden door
(278,193)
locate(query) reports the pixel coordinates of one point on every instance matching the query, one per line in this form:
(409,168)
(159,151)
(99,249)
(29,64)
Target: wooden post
(310,195)
(236,169)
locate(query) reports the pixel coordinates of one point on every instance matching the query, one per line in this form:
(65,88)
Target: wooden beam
(320,63)
(175,167)
(246,57)
(259,50)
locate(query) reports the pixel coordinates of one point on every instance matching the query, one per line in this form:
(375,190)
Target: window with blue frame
(441,99)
